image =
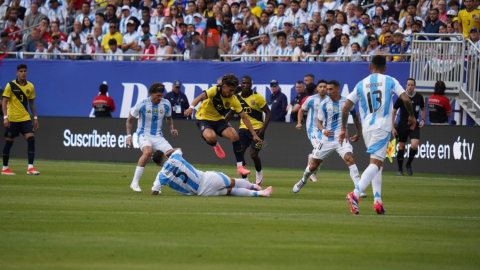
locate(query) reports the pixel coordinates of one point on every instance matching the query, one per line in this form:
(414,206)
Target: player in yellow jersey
(469,18)
(18,95)
(211,121)
(254,105)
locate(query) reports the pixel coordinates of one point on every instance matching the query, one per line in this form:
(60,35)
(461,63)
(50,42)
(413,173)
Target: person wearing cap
(172,40)
(113,34)
(474,38)
(335,42)
(148,48)
(125,19)
(277,102)
(355,37)
(469,18)
(103,104)
(130,39)
(57,13)
(78,30)
(373,45)
(370,31)
(196,52)
(178,21)
(394,25)
(75,46)
(450,15)
(392,11)
(397,47)
(133,10)
(58,46)
(178,100)
(85,13)
(6,45)
(199,23)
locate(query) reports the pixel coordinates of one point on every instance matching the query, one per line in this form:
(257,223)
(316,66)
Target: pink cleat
(32,171)
(7,172)
(267,192)
(353,202)
(219,151)
(242,170)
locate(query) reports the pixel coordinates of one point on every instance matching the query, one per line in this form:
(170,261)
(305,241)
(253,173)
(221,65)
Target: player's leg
(31,153)
(231,134)
(254,151)
(377,191)
(146,146)
(240,187)
(314,141)
(244,149)
(402,139)
(207,129)
(322,151)
(245,142)
(10,134)
(346,153)
(218,184)
(414,140)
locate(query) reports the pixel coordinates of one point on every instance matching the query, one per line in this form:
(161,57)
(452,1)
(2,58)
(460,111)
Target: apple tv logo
(460,150)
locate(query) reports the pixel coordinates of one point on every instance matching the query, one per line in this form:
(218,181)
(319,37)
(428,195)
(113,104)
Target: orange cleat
(267,192)
(219,151)
(242,170)
(32,171)
(7,172)
(378,207)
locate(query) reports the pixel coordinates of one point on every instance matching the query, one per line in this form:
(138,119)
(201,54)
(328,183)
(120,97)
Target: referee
(404,130)
(18,95)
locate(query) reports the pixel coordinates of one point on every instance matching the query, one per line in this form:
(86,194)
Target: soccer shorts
(325,148)
(246,138)
(404,132)
(155,142)
(213,184)
(16,128)
(315,138)
(376,142)
(217,126)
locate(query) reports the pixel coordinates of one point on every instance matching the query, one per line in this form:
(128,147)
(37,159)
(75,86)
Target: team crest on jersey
(161,111)
(335,109)
(154,111)
(28,91)
(329,110)
(149,111)
(252,102)
(227,105)
(219,107)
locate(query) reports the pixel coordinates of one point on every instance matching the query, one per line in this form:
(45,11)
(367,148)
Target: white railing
(132,55)
(472,80)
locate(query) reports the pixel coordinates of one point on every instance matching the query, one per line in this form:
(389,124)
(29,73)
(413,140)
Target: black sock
(6,152)
(258,167)
(211,144)
(244,176)
(31,149)
(237,149)
(400,154)
(411,156)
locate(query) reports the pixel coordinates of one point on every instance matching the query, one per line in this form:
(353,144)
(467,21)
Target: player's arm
(295,108)
(197,100)
(394,131)
(172,129)
(268,116)
(358,128)
(346,110)
(6,122)
(129,130)
(229,115)
(424,114)
(247,123)
(409,107)
(299,118)
(325,132)
(34,113)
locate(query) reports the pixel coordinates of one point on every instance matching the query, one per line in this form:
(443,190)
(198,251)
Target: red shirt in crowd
(103,106)
(438,108)
(152,49)
(17,35)
(213,38)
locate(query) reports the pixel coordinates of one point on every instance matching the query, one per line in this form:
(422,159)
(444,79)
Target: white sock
(138,174)
(244,192)
(306,175)
(242,183)
(239,164)
(367,177)
(354,174)
(377,186)
(30,166)
(4,168)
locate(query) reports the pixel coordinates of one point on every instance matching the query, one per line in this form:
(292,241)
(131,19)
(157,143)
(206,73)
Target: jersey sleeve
(321,113)
(236,106)
(211,92)
(168,108)
(31,95)
(446,105)
(398,88)
(8,91)
(354,95)
(304,105)
(135,111)
(261,102)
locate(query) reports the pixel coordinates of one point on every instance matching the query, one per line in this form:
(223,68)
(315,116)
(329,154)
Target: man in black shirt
(403,129)
(295,104)
(277,102)
(178,100)
(335,42)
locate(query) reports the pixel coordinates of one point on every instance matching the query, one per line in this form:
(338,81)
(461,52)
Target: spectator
(113,34)
(288,27)
(265,49)
(93,47)
(322,33)
(283,48)
(298,54)
(356,54)
(256,27)
(297,15)
(385,28)
(103,105)
(191,9)
(6,45)
(14,14)
(55,29)
(149,48)
(125,19)
(85,13)
(434,24)
(188,47)
(40,52)
(355,37)
(228,27)
(351,12)
(239,35)
(295,104)
(474,37)
(442,11)
(100,20)
(11,27)
(196,52)
(78,30)
(399,46)
(392,11)
(172,40)
(313,48)
(376,3)
(133,10)
(35,17)
(394,26)
(412,11)
(199,23)
(407,29)
(335,39)
(454,5)
(150,21)
(450,15)
(58,46)
(377,26)
(211,37)
(110,15)
(235,9)
(115,53)
(18,9)
(57,13)
(342,21)
(385,48)
(97,35)
(277,102)
(249,55)
(363,25)
(373,45)
(130,39)
(178,100)
(464,18)
(146,31)
(31,45)
(277,22)
(75,47)
(439,109)
(164,48)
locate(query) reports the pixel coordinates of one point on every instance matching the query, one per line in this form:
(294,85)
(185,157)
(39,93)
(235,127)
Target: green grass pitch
(82,215)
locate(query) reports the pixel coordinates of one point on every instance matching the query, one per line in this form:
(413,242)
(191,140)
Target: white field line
(238,214)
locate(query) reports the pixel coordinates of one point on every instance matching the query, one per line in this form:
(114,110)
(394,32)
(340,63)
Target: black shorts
(19,127)
(404,132)
(246,138)
(217,126)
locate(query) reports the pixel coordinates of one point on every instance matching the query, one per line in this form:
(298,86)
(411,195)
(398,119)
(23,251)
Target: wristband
(323,132)
(191,107)
(344,130)
(35,117)
(5,117)
(129,136)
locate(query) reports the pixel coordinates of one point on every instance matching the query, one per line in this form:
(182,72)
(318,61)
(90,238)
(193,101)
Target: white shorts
(325,148)
(376,142)
(314,140)
(155,142)
(213,184)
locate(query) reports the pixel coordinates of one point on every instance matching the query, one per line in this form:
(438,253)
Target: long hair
(211,24)
(439,88)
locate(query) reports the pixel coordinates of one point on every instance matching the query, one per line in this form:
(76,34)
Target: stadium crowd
(205,29)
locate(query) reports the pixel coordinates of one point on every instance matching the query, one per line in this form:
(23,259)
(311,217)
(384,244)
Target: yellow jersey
(252,106)
(466,19)
(215,106)
(18,97)
(106,38)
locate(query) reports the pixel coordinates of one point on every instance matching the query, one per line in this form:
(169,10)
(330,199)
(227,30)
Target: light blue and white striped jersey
(375,94)
(298,18)
(179,175)
(188,20)
(371,11)
(286,51)
(80,17)
(248,57)
(105,28)
(59,13)
(123,25)
(276,21)
(235,37)
(322,11)
(312,104)
(330,113)
(150,116)
(266,50)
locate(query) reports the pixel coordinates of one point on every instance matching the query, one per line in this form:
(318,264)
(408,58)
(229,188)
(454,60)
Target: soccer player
(329,117)
(254,105)
(211,121)
(311,105)
(150,112)
(403,130)
(375,96)
(182,177)
(19,94)
(469,18)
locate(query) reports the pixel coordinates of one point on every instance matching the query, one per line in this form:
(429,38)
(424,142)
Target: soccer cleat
(267,192)
(298,186)
(313,178)
(8,172)
(154,192)
(363,195)
(219,151)
(135,187)
(400,173)
(353,202)
(409,169)
(259,180)
(378,207)
(32,171)
(242,170)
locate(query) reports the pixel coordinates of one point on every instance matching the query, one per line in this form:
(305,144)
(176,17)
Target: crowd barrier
(443,149)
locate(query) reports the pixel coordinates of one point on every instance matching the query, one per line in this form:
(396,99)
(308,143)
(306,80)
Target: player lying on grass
(182,177)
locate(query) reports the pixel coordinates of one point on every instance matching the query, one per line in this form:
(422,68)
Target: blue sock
(237,149)
(6,152)
(31,150)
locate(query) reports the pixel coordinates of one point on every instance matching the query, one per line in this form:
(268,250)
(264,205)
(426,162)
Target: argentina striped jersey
(330,113)
(150,116)
(312,104)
